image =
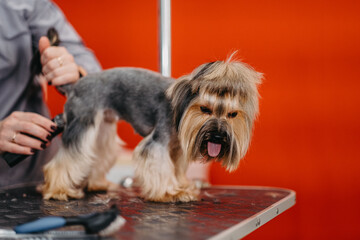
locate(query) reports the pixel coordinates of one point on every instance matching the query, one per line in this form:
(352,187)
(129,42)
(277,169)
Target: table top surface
(221,212)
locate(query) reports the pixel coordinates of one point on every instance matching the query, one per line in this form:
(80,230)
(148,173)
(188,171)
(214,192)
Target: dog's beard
(205,138)
(213,140)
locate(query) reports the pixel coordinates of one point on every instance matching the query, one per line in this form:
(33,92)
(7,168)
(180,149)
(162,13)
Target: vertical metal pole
(165,37)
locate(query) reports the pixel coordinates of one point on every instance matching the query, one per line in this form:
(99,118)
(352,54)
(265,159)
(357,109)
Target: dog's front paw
(184,195)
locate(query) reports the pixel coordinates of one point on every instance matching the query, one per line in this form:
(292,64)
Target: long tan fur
(226,87)
(73,169)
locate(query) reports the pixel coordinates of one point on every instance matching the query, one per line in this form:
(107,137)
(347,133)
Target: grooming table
(222,213)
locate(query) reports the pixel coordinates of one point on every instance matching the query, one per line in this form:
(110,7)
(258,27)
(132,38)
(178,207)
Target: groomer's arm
(75,59)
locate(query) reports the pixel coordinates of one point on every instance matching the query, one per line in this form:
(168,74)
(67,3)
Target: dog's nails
(53,127)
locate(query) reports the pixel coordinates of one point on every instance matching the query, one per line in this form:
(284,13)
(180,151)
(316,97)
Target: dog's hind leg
(63,175)
(67,173)
(156,173)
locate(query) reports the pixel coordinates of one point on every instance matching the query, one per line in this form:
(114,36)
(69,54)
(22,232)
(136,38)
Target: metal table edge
(249,225)
(255,187)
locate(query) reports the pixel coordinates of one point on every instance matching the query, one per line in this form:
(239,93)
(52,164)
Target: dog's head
(214,109)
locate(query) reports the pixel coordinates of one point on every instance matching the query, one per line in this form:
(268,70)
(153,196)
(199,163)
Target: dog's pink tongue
(213,149)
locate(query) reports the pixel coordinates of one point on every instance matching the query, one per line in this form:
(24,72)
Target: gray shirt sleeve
(46,14)
(22,23)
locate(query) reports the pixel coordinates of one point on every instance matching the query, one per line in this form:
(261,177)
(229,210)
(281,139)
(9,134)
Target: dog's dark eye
(232,115)
(205,110)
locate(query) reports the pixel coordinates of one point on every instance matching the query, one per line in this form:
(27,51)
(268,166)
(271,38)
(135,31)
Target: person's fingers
(33,130)
(44,43)
(66,78)
(63,75)
(16,148)
(23,132)
(59,66)
(27,141)
(58,62)
(35,119)
(51,53)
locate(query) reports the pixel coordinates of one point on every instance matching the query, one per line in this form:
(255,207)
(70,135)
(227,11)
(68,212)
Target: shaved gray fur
(136,95)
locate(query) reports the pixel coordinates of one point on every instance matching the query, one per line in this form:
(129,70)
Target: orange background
(307,136)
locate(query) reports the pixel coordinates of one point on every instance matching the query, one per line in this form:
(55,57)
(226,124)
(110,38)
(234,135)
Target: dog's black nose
(217,137)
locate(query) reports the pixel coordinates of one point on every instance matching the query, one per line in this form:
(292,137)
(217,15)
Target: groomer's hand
(14,130)
(59,67)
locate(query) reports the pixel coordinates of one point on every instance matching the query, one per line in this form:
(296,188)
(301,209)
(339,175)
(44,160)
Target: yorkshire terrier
(207,115)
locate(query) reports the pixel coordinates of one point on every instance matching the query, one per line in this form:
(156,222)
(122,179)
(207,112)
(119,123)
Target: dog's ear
(180,94)
(184,90)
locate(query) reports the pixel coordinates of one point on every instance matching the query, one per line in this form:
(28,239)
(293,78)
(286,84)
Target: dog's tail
(54,39)
(36,67)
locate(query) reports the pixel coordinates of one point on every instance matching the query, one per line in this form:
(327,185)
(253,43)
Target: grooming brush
(102,223)
(12,158)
